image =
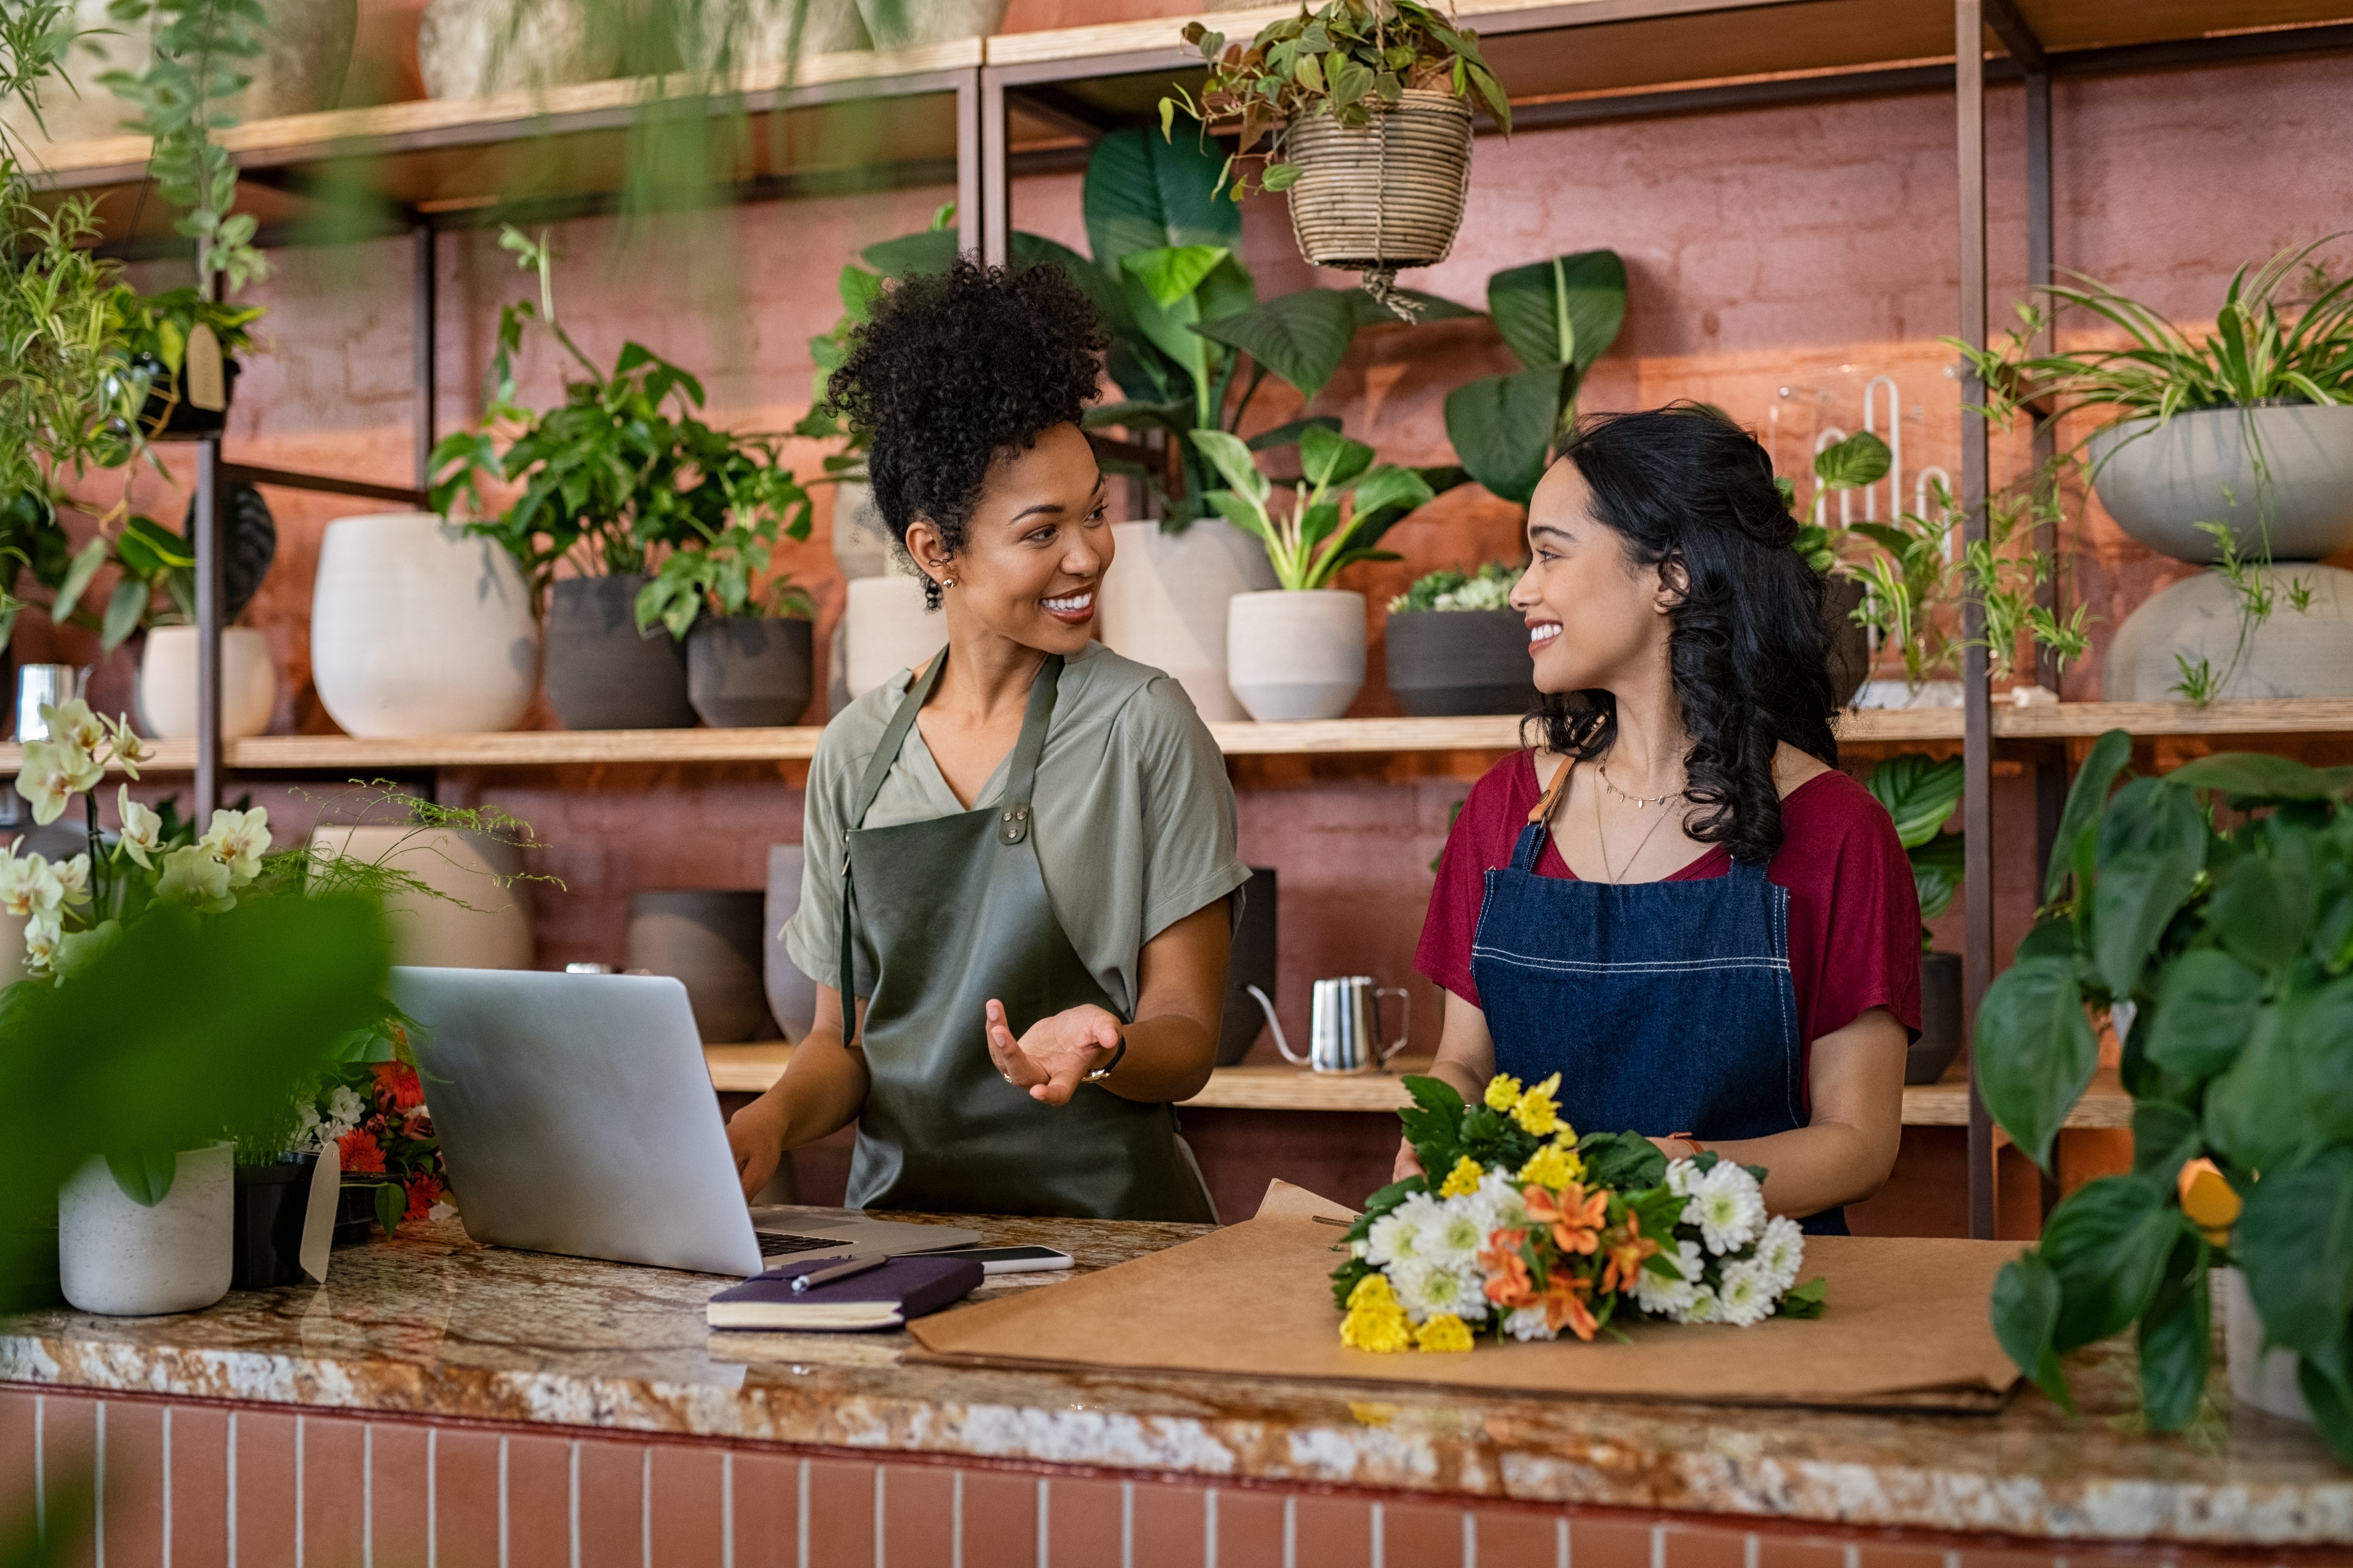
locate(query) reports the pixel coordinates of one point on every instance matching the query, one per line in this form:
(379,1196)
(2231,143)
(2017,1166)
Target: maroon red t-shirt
(1854,913)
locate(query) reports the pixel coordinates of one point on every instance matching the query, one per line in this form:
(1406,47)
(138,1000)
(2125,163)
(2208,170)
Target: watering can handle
(1405,1019)
(1276,1025)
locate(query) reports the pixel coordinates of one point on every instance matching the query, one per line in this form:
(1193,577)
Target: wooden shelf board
(750,1069)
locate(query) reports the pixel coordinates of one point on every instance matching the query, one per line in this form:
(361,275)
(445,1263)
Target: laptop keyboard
(777,1244)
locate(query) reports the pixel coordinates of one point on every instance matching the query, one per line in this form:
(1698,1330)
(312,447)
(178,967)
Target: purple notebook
(882,1297)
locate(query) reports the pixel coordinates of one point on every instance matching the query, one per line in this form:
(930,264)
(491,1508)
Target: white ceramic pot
(479,924)
(167,683)
(418,629)
(468,48)
(889,631)
(1296,655)
(1162,603)
(126,1260)
(2292,654)
(792,995)
(906,24)
(2160,482)
(828,27)
(2262,1379)
(861,544)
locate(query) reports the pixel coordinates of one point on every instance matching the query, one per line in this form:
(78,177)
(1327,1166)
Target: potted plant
(156,593)
(748,648)
(1362,112)
(1298,652)
(613,479)
(1557,316)
(183,347)
(2232,451)
(1920,792)
(1454,645)
(2207,912)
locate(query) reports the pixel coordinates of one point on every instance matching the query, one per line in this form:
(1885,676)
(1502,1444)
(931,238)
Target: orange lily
(1508,1284)
(1626,1254)
(1577,1220)
(1564,1304)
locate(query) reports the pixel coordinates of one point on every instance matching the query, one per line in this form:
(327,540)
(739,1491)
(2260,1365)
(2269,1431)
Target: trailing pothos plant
(619,474)
(1337,512)
(1344,59)
(2208,912)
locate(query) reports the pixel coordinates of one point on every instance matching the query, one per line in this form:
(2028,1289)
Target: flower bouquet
(374,1112)
(1532,1229)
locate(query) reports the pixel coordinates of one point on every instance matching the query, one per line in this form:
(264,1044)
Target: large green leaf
(2255,1115)
(2086,797)
(2255,777)
(2164,1136)
(1143,191)
(1503,427)
(2176,1339)
(2325,1376)
(86,563)
(1300,337)
(2262,908)
(2322,1028)
(1862,458)
(2036,1051)
(931,250)
(2136,896)
(2296,1241)
(145,1175)
(2107,1242)
(1566,311)
(1327,458)
(1919,792)
(1170,273)
(2025,1315)
(1169,329)
(1230,456)
(2205,1010)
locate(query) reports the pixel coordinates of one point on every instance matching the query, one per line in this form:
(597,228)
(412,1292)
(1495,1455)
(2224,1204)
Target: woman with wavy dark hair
(1020,853)
(1676,901)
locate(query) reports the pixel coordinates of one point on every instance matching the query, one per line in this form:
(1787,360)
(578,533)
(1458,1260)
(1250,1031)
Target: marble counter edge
(1731,1475)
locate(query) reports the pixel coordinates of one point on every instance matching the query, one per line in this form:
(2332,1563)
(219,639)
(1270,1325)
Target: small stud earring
(948,582)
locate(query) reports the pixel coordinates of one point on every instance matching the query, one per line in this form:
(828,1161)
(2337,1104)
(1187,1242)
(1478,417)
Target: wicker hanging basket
(1386,196)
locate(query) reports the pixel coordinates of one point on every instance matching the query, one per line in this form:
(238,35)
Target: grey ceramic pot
(1850,643)
(2161,481)
(602,673)
(1446,663)
(1251,963)
(1940,1018)
(748,672)
(792,995)
(709,939)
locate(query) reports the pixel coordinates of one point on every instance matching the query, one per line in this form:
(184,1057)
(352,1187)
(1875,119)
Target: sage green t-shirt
(1134,816)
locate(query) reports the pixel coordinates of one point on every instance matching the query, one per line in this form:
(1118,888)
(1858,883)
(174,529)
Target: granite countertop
(430,1323)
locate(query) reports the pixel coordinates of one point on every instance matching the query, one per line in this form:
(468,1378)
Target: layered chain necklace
(1640,803)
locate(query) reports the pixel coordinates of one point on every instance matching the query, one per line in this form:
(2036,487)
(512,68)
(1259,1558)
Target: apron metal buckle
(1013,825)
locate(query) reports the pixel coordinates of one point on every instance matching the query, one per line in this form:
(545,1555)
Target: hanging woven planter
(1386,196)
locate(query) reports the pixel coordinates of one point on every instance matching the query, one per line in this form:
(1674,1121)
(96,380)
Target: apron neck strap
(894,736)
(1021,777)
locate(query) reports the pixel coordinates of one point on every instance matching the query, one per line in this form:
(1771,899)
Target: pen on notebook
(838,1271)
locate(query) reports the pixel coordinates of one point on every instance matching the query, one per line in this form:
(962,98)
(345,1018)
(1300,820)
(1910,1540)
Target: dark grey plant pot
(272,1203)
(1850,643)
(748,672)
(709,939)
(1940,1018)
(601,673)
(1447,663)
(1251,963)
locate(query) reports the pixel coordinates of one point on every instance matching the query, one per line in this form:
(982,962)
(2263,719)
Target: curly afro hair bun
(956,369)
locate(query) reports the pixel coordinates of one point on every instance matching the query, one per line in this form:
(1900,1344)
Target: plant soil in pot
(710,939)
(1163,603)
(2292,654)
(1940,1019)
(749,672)
(273,1203)
(605,674)
(2160,481)
(123,1258)
(1443,663)
(1294,654)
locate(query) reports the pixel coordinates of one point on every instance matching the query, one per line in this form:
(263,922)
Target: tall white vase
(479,924)
(1162,603)
(167,683)
(1296,655)
(889,631)
(126,1260)
(418,628)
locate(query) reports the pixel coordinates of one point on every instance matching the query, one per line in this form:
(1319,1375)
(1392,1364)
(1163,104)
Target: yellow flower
(2209,1200)
(1537,1111)
(1372,1290)
(1444,1331)
(1375,1320)
(1502,1092)
(1555,1165)
(1461,1181)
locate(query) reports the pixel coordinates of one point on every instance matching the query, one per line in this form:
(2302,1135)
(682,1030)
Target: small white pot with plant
(1453,645)
(1298,652)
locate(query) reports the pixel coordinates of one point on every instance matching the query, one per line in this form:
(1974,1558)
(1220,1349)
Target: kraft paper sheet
(1906,1327)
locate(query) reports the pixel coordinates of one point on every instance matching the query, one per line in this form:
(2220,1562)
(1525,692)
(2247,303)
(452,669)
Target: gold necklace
(1601,833)
(1640,801)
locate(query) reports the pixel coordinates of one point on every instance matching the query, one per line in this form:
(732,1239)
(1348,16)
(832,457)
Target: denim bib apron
(1665,1007)
(938,917)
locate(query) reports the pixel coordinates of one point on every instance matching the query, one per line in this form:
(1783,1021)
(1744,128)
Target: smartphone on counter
(1009,1259)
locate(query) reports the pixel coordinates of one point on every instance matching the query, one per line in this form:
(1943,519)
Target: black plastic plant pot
(602,672)
(1251,963)
(272,1202)
(748,672)
(1940,1018)
(1450,663)
(354,1212)
(166,420)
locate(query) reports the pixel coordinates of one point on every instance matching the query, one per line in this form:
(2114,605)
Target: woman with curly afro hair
(1676,906)
(1020,855)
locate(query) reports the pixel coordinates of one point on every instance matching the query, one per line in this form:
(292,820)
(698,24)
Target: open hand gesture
(1053,1054)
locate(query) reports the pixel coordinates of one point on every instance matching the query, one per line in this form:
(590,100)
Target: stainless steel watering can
(1343,1025)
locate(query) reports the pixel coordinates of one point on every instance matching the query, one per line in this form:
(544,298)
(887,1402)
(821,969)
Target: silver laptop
(576,1116)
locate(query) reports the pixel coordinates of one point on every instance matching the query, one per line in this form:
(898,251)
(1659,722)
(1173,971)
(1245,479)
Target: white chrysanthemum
(1702,1308)
(1781,1252)
(1683,1178)
(344,1109)
(1528,1323)
(1728,1207)
(1655,1292)
(1497,1204)
(1746,1294)
(1397,1236)
(1424,1290)
(1456,1234)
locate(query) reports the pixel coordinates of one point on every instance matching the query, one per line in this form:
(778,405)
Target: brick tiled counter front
(438,1403)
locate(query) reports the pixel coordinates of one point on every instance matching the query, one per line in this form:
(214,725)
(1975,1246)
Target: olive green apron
(939,917)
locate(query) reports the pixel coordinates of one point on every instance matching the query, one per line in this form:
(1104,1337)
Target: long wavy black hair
(1748,648)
